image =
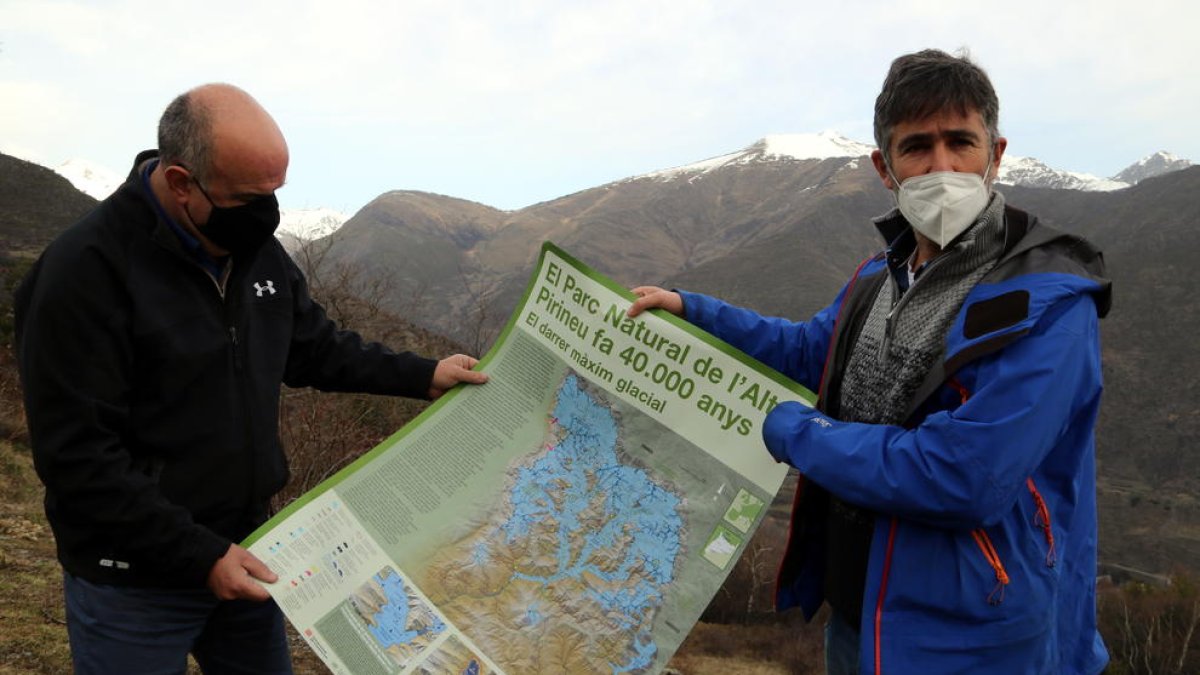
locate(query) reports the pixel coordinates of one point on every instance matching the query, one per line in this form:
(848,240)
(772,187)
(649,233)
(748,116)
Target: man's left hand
(452,370)
(233,575)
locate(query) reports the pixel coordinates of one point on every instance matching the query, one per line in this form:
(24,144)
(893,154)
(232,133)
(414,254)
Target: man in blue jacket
(946,509)
(153,337)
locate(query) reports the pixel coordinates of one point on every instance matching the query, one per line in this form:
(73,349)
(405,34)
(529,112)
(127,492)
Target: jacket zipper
(883,582)
(241,378)
(888,322)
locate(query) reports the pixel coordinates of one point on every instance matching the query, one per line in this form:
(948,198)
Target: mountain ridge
(301,224)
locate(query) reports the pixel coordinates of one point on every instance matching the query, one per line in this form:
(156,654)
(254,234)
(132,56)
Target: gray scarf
(894,353)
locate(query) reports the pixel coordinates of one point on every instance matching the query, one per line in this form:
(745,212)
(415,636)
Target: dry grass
(784,645)
(33,631)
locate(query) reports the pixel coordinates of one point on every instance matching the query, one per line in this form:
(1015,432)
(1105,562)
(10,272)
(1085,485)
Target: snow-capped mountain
(1014,170)
(823,145)
(90,178)
(1151,166)
(295,225)
(1030,172)
(308,224)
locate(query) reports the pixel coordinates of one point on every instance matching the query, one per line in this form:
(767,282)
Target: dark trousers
(841,646)
(119,629)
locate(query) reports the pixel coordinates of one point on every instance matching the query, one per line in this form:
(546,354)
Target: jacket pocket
(1041,521)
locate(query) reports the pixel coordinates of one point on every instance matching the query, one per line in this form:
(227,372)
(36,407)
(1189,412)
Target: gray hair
(185,136)
(922,84)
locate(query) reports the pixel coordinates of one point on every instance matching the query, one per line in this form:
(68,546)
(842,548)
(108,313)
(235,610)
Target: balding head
(218,149)
(219,128)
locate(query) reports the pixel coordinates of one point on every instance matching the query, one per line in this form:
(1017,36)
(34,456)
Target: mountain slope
(35,205)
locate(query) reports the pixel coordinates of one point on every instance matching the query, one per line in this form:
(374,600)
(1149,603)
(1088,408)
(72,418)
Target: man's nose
(941,159)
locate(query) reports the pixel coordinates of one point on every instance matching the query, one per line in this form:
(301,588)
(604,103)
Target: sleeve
(75,359)
(329,359)
(965,467)
(797,349)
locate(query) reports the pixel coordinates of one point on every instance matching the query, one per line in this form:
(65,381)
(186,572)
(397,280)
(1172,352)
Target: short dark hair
(185,136)
(921,84)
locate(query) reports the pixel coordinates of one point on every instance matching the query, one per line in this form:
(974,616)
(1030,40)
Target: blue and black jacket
(983,557)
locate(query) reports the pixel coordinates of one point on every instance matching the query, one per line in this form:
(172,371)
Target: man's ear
(177,181)
(997,153)
(881,168)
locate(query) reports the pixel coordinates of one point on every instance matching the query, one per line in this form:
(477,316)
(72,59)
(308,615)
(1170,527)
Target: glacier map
(568,572)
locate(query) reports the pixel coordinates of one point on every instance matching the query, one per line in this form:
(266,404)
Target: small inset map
(744,511)
(721,546)
(401,623)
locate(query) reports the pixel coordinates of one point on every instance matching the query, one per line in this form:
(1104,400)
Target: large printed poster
(575,514)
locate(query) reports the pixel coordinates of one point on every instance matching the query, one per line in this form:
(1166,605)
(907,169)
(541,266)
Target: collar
(900,251)
(191,245)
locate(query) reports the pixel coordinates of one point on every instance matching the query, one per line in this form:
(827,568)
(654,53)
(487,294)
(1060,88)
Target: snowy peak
(785,147)
(309,224)
(1030,172)
(1151,166)
(825,145)
(93,180)
(99,182)
(1014,170)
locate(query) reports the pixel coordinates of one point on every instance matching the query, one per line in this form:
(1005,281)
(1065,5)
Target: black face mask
(240,229)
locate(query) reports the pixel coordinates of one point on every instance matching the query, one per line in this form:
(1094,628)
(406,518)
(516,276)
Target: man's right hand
(233,575)
(650,297)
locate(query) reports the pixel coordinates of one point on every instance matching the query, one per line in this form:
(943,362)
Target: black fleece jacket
(152,393)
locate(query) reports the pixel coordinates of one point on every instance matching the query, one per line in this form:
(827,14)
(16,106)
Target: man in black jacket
(153,337)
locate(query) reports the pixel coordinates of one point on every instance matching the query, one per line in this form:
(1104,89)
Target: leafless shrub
(482,322)
(1152,629)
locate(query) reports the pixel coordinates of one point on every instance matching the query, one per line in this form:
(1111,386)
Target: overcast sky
(514,102)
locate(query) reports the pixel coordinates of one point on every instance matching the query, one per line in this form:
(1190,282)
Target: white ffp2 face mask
(943,204)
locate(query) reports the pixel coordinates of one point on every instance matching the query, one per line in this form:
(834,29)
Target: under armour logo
(269,287)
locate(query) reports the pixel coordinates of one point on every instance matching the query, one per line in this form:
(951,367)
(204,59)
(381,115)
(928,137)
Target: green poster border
(584,269)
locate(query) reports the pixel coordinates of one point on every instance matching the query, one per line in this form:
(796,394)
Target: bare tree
(350,296)
(481,325)
(323,432)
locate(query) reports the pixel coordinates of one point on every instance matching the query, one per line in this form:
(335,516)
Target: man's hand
(650,297)
(232,577)
(452,370)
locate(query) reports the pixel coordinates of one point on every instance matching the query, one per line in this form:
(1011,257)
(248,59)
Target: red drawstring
(985,544)
(1042,520)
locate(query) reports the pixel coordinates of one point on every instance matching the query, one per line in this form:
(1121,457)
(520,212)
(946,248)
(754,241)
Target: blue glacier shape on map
(532,616)
(642,659)
(388,624)
(480,554)
(583,473)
